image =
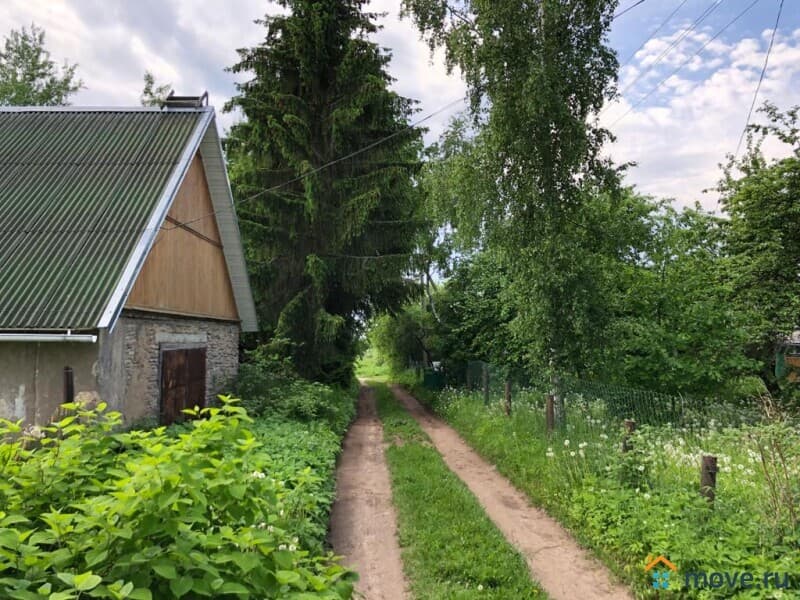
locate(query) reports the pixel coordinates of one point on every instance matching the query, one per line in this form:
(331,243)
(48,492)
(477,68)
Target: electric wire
(703,16)
(684,63)
(374,144)
(760,80)
(652,35)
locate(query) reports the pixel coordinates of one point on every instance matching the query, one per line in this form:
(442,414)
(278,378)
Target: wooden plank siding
(185,272)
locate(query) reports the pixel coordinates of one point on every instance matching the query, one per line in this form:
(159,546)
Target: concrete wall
(32,375)
(122,368)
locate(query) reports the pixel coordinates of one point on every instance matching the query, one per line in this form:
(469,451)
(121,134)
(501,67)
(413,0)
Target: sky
(687,81)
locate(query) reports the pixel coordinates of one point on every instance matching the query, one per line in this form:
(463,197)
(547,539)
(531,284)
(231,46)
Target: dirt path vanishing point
(363,519)
(563,569)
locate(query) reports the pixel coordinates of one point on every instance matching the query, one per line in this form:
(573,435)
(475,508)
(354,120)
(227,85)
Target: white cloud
(681,135)
(678,136)
(189,44)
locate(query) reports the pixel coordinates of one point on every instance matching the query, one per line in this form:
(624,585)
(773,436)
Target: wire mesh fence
(598,404)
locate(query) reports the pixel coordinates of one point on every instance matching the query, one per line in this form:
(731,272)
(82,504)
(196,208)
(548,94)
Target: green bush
(270,388)
(89,511)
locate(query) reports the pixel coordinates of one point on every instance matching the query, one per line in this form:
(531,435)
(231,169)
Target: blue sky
(677,135)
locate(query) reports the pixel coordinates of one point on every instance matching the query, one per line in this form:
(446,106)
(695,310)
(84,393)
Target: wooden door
(183,382)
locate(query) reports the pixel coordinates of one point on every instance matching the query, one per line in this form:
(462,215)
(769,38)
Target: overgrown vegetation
(450,547)
(270,387)
(646,502)
(223,506)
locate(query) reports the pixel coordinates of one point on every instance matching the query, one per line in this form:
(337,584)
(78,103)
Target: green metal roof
(78,191)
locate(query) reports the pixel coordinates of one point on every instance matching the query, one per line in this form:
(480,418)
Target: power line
(703,16)
(332,162)
(686,62)
(652,35)
(760,80)
(631,7)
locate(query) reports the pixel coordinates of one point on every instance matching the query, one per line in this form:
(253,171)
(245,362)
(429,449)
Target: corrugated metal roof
(77,190)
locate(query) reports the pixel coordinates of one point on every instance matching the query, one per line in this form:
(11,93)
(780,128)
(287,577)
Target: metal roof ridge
(132,109)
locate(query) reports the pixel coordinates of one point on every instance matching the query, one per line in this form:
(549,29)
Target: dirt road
(562,568)
(363,520)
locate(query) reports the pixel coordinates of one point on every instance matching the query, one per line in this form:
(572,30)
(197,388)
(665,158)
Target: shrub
(269,387)
(89,510)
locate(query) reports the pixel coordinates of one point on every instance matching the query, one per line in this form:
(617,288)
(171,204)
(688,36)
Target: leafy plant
(87,509)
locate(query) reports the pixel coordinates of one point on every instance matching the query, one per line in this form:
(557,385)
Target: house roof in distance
(83,194)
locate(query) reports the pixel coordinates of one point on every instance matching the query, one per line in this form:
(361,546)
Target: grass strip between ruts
(450,547)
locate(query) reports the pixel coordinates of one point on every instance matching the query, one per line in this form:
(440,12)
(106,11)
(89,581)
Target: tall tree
(28,76)
(329,228)
(538,73)
(763,244)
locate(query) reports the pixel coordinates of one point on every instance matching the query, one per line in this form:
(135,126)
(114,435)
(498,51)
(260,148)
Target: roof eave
(228,225)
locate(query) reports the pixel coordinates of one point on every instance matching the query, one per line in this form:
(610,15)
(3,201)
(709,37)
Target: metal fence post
(507,394)
(549,413)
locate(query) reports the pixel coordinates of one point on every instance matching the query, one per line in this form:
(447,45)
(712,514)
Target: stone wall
(135,344)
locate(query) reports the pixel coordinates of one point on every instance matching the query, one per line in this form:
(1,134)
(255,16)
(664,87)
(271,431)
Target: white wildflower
(257,475)
(566,442)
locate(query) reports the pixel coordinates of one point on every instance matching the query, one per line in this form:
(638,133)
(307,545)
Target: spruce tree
(329,234)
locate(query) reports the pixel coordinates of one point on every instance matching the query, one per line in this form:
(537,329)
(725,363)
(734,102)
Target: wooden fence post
(708,477)
(630,427)
(69,385)
(507,394)
(486,384)
(550,413)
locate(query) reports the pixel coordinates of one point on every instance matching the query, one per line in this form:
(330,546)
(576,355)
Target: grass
(450,547)
(646,502)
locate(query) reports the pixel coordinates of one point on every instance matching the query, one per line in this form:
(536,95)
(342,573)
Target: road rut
(557,562)
(363,519)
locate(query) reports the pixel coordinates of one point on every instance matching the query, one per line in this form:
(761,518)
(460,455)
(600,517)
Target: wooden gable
(185,272)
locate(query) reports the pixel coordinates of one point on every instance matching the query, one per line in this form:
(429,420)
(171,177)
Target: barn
(122,272)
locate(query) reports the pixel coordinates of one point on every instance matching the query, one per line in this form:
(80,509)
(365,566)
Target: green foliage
(371,365)
(404,338)
(537,73)
(87,509)
(152,94)
(762,246)
(329,235)
(628,506)
(271,388)
(450,547)
(658,319)
(28,76)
